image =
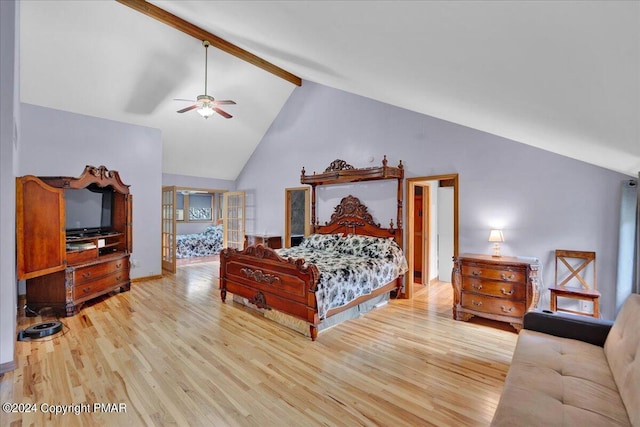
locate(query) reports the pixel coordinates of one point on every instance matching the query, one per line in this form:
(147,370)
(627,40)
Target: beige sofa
(572,370)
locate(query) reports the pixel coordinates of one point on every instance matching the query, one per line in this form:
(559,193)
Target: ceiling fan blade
(182,99)
(222,113)
(224,102)
(184,110)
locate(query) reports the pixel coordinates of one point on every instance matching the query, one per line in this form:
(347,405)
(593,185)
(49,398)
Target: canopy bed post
(400,200)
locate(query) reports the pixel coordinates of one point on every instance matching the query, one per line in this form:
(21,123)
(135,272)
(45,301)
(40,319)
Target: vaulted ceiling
(563,76)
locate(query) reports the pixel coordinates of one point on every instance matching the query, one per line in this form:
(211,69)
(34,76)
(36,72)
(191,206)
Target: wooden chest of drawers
(65,292)
(85,282)
(497,288)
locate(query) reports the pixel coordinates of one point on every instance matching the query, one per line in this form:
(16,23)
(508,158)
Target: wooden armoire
(63,266)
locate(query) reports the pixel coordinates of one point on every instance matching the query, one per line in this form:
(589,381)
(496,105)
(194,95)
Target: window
(198,205)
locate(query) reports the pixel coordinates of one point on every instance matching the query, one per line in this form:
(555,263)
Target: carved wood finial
(303,171)
(338,165)
(100,176)
(101,172)
(384,161)
(400,165)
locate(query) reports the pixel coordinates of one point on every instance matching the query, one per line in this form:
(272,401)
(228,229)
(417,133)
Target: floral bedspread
(209,242)
(349,267)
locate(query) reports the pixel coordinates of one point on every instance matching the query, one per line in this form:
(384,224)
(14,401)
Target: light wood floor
(173,354)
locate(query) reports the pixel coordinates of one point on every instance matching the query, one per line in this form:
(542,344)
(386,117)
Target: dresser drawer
(75,257)
(506,290)
(487,272)
(487,304)
(90,289)
(92,272)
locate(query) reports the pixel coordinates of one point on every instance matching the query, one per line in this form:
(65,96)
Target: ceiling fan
(206,104)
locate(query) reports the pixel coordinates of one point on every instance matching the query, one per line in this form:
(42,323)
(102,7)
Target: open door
(40,239)
(168,229)
(234,214)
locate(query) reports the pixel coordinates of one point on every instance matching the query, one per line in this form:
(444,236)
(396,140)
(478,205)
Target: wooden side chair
(585,291)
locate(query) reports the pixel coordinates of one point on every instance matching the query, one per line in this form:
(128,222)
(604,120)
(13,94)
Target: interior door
(418,242)
(233,220)
(40,239)
(169,229)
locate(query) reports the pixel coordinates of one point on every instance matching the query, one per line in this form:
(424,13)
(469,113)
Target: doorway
(191,225)
(432,229)
(297,216)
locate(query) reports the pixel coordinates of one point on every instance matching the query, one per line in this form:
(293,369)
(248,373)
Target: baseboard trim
(7,367)
(145,278)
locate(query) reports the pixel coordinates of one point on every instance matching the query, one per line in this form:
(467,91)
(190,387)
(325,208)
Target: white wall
(445,233)
(59,143)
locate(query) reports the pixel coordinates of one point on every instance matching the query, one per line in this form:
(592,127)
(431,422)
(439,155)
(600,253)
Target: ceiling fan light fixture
(205,111)
(206,105)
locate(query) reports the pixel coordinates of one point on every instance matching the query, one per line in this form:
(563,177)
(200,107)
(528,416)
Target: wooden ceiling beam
(180,24)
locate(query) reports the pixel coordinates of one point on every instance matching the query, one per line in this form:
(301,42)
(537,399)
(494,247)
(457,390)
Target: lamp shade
(496,236)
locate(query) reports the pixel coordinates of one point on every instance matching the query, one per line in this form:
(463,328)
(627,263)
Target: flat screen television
(88,211)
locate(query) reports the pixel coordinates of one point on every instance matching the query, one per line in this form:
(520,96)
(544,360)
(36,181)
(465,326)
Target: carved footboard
(271,282)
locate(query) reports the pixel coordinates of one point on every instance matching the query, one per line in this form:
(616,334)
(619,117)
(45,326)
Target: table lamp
(496,237)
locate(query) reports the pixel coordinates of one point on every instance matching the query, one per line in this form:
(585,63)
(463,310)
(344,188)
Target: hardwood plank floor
(172,354)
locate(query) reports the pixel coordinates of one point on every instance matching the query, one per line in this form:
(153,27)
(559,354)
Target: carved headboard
(353,217)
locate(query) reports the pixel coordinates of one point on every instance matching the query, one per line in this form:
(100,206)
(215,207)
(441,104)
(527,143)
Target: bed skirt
(302,327)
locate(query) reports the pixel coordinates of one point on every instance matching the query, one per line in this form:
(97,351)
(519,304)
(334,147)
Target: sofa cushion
(556,381)
(622,347)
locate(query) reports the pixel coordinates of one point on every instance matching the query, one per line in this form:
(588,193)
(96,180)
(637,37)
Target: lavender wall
(9,120)
(59,143)
(541,200)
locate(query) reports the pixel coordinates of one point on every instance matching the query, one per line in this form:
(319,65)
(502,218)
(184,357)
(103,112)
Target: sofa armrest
(582,328)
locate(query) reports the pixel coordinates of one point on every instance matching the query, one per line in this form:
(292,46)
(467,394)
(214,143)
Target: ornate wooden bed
(288,285)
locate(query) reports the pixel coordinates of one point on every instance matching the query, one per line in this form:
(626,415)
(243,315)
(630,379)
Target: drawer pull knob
(476,303)
(119,265)
(86,290)
(476,287)
(506,310)
(509,277)
(86,275)
(507,292)
(118,278)
(476,272)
